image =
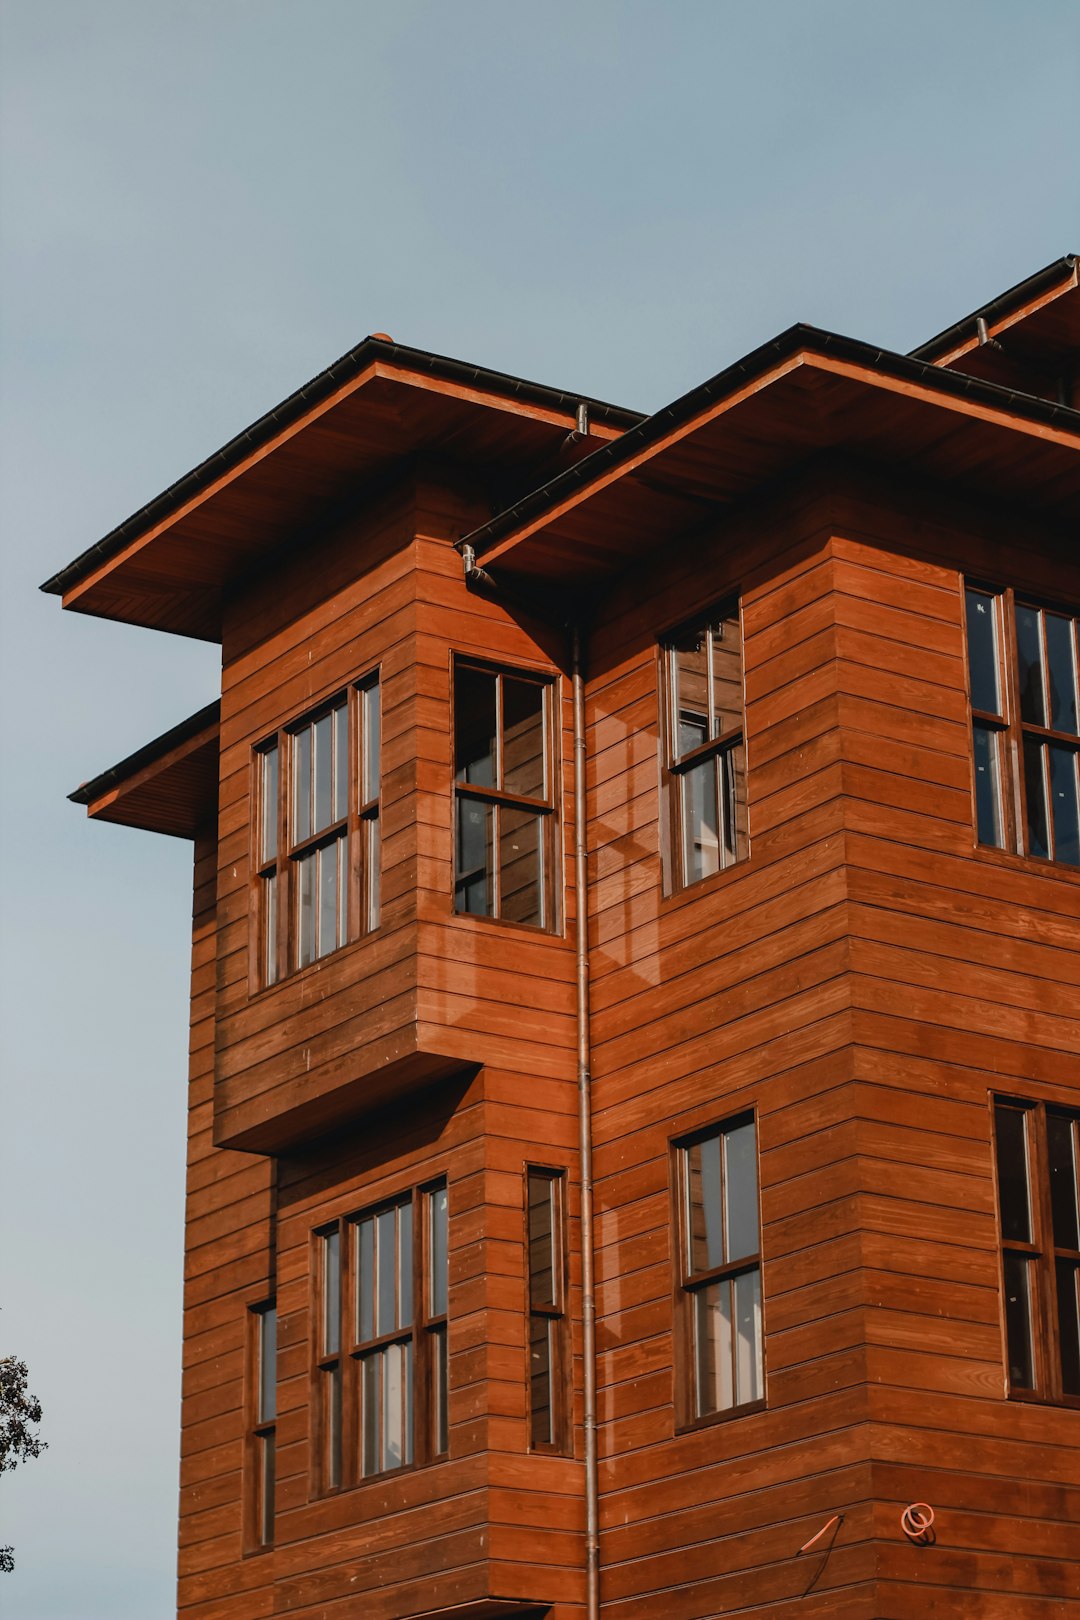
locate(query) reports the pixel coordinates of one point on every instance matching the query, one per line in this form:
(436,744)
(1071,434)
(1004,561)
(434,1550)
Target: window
(1038,1177)
(702,730)
(548,1371)
(721,1365)
(1022,669)
(317,833)
(504,796)
(262,1423)
(381,1364)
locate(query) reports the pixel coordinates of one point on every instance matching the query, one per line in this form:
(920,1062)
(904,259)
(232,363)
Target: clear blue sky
(206,201)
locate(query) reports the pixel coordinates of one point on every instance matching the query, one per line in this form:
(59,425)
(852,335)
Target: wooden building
(635,1024)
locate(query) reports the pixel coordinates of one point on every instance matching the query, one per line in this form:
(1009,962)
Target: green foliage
(20,1413)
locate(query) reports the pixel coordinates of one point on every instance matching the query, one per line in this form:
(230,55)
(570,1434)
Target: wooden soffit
(169,786)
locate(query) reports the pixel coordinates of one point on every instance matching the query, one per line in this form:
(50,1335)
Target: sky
(204,202)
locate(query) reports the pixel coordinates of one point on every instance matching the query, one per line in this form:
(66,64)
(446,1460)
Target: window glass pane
(1068,1302)
(1010,1132)
(1029,655)
(1018,1321)
(301,746)
(324,771)
(733,801)
(1063,802)
(396,1435)
(523,738)
(438,1240)
(405,1265)
(541,1240)
(988,786)
(365,1280)
(341,761)
(1061,669)
(689,679)
(701,841)
(1061,1154)
(726,676)
(371,722)
(385,1272)
(1035,792)
(305,882)
(270,927)
(748,1368)
(982,651)
(740,1191)
(329,921)
(442,1390)
(372,847)
(267,1448)
(520,862)
(269,808)
(540,1413)
(474,890)
(474,726)
(370,1451)
(704,1223)
(267,1365)
(332,1418)
(712,1348)
(331,1282)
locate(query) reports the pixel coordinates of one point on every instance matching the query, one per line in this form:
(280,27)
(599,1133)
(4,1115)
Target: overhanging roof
(169,564)
(807,393)
(1033,302)
(168,786)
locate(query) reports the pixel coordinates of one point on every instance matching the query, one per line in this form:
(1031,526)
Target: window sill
(728,1415)
(1032,864)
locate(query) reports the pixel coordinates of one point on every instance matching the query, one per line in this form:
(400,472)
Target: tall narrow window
(381,1362)
(1023,662)
(720,1271)
(504,797)
(545,1194)
(262,1425)
(317,833)
(704,765)
(1038,1175)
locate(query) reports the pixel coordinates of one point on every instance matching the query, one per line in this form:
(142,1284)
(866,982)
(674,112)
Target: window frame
(276,875)
(1041,1250)
(675,767)
(426,1333)
(554,1313)
(499,798)
(260,1431)
(687,1283)
(1008,726)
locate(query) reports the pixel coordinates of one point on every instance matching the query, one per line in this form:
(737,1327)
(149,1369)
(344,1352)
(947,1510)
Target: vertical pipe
(588,1297)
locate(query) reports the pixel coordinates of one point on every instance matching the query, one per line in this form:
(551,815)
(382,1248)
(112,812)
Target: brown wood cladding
(863,981)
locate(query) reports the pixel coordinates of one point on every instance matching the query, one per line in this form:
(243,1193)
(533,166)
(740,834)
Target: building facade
(635,1041)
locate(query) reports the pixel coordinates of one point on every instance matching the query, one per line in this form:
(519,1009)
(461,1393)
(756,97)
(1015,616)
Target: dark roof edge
(147,754)
(809,338)
(335,375)
(1001,305)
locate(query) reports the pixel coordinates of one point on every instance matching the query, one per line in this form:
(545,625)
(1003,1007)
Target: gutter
(87,792)
(965,329)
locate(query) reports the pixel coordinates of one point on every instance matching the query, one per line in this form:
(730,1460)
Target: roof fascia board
(931,385)
(171,748)
(373,357)
(1000,313)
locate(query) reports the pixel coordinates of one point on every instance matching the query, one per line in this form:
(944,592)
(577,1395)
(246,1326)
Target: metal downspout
(588,1296)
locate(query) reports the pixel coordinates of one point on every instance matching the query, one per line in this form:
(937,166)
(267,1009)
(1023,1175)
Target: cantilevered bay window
(1023,662)
(704,771)
(504,795)
(317,833)
(381,1370)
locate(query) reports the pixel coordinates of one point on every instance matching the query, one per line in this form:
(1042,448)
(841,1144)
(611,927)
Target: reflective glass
(373,842)
(341,762)
(269,812)
(371,723)
(268,1365)
(540,1413)
(305,933)
(1068,1304)
(523,738)
(981,614)
(474,890)
(726,677)
(331,1282)
(1018,1321)
(520,866)
(328,858)
(988,786)
(704,1212)
(1061,668)
(438,1243)
(370,1453)
(1061,1135)
(442,1390)
(1063,803)
(1029,658)
(474,726)
(689,656)
(332,1415)
(385,1272)
(324,771)
(541,1240)
(712,1348)
(365,1281)
(749,1380)
(1010,1134)
(1038,840)
(740,1191)
(267,1449)
(270,926)
(701,841)
(301,762)
(405,1264)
